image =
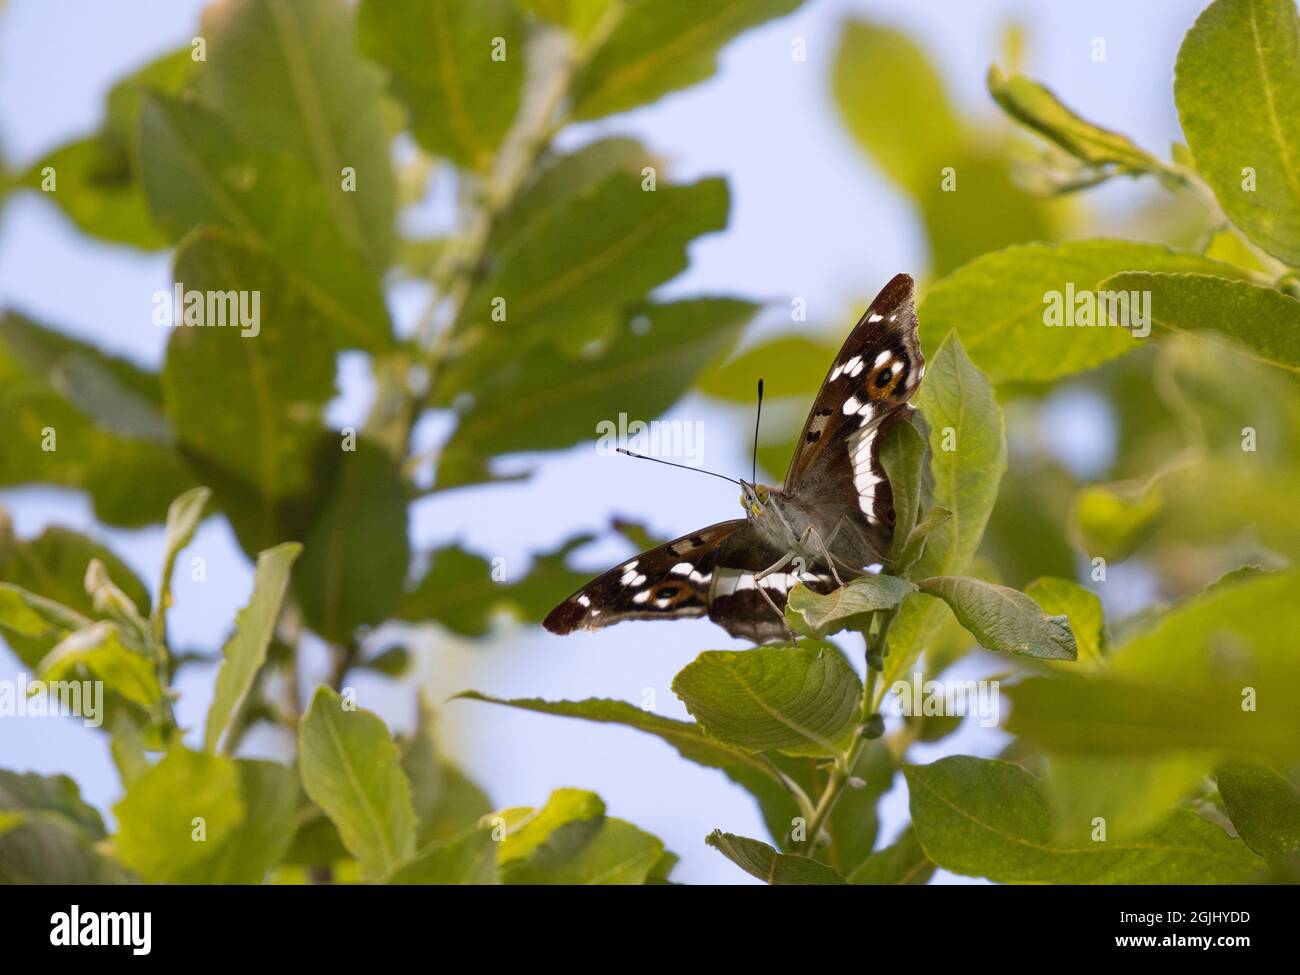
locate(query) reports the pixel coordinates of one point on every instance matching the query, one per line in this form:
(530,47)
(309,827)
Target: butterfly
(830,521)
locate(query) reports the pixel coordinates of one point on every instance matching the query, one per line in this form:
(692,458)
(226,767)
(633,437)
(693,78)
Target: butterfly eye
(761,492)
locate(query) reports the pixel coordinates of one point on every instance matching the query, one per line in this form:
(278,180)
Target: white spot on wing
(681,569)
(642,596)
(874,317)
(584,600)
(851,406)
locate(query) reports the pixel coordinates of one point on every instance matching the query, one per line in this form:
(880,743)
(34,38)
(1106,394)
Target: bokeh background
(812,216)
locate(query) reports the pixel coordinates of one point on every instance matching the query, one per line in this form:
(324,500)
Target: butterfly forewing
(866,389)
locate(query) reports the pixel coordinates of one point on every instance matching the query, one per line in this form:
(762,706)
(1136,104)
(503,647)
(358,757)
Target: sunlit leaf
(988,818)
(177,814)
(245,651)
(1263,323)
(350,768)
(800,700)
(999,304)
(1237,87)
(968,453)
(883,83)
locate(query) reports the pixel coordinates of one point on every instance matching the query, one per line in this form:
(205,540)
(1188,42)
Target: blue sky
(810,217)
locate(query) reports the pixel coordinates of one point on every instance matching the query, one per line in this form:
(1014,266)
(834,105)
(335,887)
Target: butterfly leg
(812,533)
(780,563)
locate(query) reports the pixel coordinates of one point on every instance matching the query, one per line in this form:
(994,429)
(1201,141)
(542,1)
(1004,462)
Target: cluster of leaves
(265,163)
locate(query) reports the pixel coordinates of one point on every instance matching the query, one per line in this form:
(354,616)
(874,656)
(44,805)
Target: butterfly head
(754,498)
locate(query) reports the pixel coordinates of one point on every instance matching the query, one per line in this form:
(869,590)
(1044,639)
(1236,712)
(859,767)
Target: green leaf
(558,179)
(687,738)
(977,207)
(196,173)
(356,552)
(989,818)
(1037,107)
(902,862)
(183,517)
(100,653)
(1210,674)
(548,400)
(1237,87)
(998,303)
(883,82)
(569,818)
(130,477)
(1001,618)
(800,700)
(759,860)
(571,841)
(849,607)
(1112,521)
(177,814)
(1265,807)
(245,652)
(53,794)
(660,46)
(968,454)
(266,436)
(457,590)
(461,97)
(914,542)
(285,75)
(445,801)
(45,848)
(96,189)
(1061,597)
(467,859)
(1130,793)
(96,179)
(618,853)
(569,290)
(350,768)
(792,365)
(579,16)
(1261,323)
(902,456)
(269,793)
(28,615)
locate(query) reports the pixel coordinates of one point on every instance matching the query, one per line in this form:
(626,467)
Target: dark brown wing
(711,572)
(735,602)
(866,389)
(668,582)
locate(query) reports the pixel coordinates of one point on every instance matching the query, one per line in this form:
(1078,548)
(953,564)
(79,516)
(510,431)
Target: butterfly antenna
(758,415)
(698,470)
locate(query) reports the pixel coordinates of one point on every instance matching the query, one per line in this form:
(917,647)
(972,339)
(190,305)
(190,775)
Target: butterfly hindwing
(865,391)
(736,603)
